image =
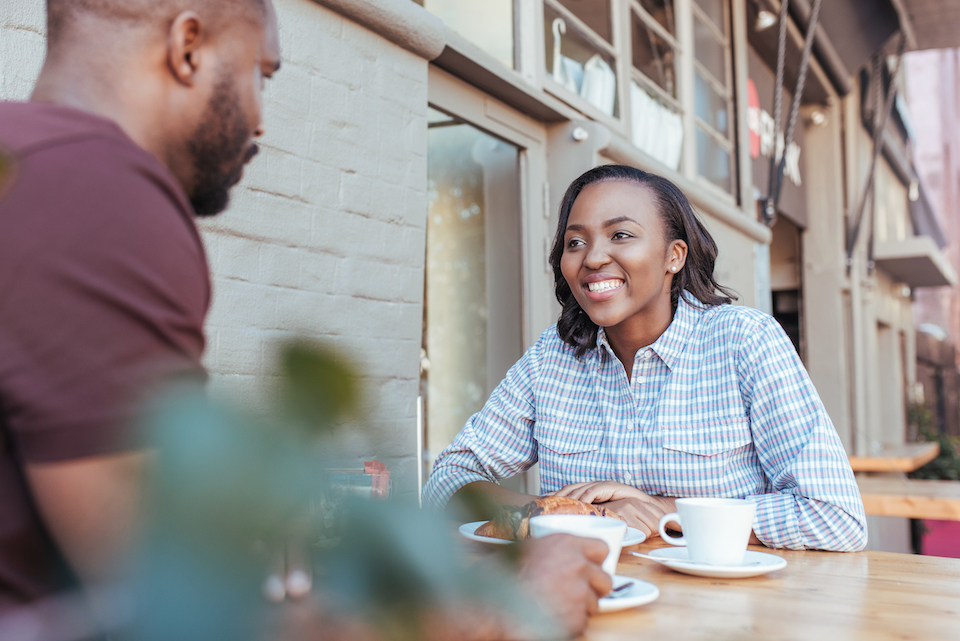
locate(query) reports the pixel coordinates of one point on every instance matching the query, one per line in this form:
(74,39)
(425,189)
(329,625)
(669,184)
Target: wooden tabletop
(820,596)
(892,495)
(896,458)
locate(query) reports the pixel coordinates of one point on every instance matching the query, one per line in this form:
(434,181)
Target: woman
(651,386)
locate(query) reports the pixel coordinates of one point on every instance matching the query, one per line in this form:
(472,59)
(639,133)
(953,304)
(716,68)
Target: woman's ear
(183,43)
(677,256)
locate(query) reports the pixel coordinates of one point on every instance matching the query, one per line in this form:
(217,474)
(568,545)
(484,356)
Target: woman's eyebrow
(621,219)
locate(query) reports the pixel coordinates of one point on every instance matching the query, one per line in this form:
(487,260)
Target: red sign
(753,118)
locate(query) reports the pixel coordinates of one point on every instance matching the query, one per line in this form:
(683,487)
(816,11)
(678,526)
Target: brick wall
(325,235)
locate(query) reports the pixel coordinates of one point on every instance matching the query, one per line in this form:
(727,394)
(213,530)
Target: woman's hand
(637,508)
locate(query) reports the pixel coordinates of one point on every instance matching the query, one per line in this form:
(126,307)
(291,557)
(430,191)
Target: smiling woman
(652,386)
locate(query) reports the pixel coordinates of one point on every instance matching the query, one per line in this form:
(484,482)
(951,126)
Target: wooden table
(890,495)
(897,458)
(820,596)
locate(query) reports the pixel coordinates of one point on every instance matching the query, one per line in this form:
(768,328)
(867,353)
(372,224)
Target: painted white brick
(234,353)
(238,258)
(30,15)
(325,236)
(21,55)
(319,184)
(274,172)
(280,266)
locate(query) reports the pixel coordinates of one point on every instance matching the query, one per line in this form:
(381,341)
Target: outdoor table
(819,596)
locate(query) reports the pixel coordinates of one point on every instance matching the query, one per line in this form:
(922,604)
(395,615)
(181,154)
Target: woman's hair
(679,223)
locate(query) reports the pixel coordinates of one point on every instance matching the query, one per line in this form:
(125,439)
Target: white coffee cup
(715,531)
(609,530)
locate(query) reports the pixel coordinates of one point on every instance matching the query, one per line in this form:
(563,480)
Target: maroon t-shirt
(103,291)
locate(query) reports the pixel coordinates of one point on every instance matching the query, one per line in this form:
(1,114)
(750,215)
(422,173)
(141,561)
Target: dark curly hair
(679,223)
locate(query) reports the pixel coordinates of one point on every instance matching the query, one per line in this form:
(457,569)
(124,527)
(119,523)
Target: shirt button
(647,353)
(627,477)
(639,379)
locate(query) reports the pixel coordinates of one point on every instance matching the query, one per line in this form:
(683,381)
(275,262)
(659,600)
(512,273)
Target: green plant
(946,466)
(229,490)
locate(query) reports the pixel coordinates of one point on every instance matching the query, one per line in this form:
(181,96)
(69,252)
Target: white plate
(632,537)
(639,593)
(754,564)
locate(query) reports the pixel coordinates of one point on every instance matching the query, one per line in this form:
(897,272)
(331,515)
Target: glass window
(487,24)
(711,107)
(594,13)
(472,285)
(657,127)
(713,9)
(710,52)
(662,12)
(653,56)
(713,160)
(579,65)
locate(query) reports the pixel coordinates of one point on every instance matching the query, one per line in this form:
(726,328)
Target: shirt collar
(673,341)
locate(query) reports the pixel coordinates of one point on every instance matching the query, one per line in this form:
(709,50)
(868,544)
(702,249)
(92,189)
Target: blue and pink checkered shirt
(720,405)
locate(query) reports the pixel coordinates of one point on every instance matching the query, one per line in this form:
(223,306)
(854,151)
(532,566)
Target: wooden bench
(889,495)
(897,458)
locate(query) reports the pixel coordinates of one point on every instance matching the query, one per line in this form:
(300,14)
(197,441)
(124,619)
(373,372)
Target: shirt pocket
(709,440)
(569,452)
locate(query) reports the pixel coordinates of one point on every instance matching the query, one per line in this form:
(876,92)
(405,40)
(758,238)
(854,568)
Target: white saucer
(754,564)
(632,537)
(639,593)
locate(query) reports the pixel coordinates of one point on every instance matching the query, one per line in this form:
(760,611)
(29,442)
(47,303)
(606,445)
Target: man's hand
(637,508)
(564,573)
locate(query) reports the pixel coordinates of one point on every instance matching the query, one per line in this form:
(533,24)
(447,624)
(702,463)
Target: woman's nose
(596,257)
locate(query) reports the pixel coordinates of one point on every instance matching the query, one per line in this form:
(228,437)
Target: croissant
(512,522)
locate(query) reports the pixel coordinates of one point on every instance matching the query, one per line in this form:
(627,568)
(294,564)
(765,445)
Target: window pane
(578,65)
(594,13)
(711,107)
(471,308)
(487,24)
(657,127)
(662,12)
(709,52)
(713,161)
(714,11)
(653,56)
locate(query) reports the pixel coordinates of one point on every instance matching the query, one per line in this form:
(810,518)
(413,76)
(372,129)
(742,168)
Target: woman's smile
(601,287)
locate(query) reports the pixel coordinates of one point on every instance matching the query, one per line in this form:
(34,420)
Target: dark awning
(854,30)
(935,23)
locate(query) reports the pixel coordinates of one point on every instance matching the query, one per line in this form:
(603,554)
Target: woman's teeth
(604,285)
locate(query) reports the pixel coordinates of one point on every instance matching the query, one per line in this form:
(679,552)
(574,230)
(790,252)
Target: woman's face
(616,259)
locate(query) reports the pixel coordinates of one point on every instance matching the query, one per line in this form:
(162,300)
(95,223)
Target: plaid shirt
(720,405)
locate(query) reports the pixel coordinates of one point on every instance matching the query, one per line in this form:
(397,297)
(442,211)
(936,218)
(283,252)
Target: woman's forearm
(480,499)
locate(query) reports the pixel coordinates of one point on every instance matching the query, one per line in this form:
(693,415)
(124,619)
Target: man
(143,116)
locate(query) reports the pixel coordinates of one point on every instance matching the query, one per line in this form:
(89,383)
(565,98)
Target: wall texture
(325,235)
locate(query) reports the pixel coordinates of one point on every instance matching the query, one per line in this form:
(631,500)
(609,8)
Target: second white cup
(715,531)
(607,529)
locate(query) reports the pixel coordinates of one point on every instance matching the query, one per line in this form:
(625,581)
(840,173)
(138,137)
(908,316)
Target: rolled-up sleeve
(813,500)
(497,442)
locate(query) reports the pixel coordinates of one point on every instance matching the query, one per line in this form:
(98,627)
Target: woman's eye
(574,242)
(621,234)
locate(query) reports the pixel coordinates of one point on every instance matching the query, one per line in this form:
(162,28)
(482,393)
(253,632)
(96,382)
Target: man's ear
(183,46)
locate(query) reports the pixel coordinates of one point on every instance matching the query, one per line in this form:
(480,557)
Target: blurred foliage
(946,466)
(229,489)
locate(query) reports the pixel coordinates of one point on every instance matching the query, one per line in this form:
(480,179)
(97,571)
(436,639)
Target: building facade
(416,153)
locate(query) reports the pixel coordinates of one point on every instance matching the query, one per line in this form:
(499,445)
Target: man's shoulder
(28,126)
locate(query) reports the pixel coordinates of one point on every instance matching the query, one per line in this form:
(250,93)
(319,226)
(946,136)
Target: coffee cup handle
(673,517)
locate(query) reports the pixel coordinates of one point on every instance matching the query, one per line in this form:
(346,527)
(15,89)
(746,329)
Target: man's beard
(219,148)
